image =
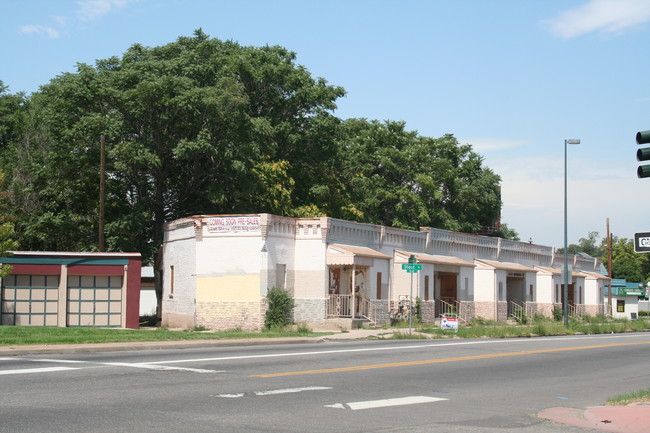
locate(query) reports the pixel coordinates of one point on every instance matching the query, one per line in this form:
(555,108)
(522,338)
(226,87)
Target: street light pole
(566,253)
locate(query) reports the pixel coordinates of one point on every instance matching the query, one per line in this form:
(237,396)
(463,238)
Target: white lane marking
(275,391)
(373,404)
(36,370)
(292,390)
(122,364)
(57,361)
(159,367)
(391,348)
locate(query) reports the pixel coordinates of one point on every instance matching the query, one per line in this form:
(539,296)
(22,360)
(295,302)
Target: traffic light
(643,154)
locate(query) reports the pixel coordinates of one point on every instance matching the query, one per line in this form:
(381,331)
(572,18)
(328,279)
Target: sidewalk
(612,419)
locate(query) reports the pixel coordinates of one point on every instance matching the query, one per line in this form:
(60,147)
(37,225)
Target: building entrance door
(448,287)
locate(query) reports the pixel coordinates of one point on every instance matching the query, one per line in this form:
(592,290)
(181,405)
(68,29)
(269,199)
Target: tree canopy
(201,126)
(626,263)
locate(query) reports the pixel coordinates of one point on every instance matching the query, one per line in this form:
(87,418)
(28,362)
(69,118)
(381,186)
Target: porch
(377,312)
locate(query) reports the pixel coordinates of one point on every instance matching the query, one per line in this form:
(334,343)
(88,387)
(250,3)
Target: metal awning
(338,254)
(505,266)
(435,259)
(595,275)
(556,271)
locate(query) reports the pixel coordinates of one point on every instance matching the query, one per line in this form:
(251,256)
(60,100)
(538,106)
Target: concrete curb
(358,334)
(146,345)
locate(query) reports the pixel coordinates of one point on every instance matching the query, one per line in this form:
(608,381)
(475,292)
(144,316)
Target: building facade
(216,270)
(625,298)
(71,289)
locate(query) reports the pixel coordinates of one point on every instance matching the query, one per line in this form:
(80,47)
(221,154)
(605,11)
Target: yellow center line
(441,360)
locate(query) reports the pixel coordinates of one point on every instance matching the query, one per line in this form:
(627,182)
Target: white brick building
(216,271)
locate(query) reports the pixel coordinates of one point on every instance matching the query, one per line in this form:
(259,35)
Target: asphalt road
(345,386)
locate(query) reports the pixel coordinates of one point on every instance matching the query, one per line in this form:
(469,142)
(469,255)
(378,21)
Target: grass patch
(26,335)
(642,396)
(540,326)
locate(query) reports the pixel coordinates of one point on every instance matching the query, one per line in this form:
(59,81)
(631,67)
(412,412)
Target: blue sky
(514,78)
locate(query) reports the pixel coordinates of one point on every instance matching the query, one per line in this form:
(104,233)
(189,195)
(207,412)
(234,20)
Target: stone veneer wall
(310,310)
(428,311)
(591,310)
(223,315)
(379,311)
(468,310)
(538,308)
(502,311)
(484,310)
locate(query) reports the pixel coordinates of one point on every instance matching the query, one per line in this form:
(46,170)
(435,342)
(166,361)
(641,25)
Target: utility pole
(102,192)
(609,270)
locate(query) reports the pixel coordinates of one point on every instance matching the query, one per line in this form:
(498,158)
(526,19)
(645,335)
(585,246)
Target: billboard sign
(642,242)
(240,224)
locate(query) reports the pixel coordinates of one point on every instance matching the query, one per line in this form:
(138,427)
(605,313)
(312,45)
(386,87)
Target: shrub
(303,329)
(280,304)
(418,309)
(558,314)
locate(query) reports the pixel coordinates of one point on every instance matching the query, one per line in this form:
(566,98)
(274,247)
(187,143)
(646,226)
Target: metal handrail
(446,308)
(339,305)
(518,312)
(462,314)
(573,311)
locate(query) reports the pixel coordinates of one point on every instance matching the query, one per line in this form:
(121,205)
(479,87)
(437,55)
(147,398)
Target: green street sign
(411,267)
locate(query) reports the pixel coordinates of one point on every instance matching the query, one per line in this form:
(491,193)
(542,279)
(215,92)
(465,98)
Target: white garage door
(30,300)
(94,300)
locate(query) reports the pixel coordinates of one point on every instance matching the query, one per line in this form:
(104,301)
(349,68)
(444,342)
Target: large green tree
(626,263)
(399,178)
(12,112)
(203,126)
(195,126)
(588,245)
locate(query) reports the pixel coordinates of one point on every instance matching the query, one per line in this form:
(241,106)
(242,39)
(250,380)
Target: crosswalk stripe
(274,392)
(36,370)
(373,404)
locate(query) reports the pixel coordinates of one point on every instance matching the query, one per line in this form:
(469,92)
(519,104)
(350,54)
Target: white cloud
(491,144)
(600,15)
(40,30)
(87,10)
(93,9)
(60,20)
(532,191)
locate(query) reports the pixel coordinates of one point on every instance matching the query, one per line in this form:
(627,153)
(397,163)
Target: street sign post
(642,242)
(411,267)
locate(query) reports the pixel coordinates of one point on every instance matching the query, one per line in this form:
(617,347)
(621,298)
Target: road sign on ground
(449,323)
(411,267)
(642,242)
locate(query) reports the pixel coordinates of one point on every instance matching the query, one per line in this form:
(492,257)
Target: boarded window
(378,285)
(280,276)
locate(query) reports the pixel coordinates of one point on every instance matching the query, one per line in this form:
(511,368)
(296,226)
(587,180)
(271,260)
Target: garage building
(71,289)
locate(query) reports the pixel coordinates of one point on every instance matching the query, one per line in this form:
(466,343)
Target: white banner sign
(449,323)
(243,224)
